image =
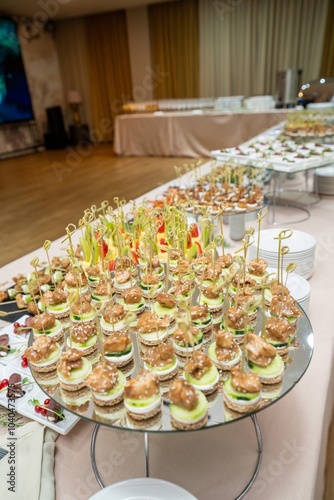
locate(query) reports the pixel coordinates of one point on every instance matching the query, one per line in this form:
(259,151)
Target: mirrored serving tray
(300,355)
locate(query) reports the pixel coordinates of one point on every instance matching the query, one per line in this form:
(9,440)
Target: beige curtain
(327,60)
(109,68)
(72,49)
(244,43)
(174,48)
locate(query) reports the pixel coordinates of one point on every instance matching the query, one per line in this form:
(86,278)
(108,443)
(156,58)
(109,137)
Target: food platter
(299,358)
(300,351)
(281,154)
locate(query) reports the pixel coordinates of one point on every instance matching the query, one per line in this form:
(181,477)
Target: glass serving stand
(300,354)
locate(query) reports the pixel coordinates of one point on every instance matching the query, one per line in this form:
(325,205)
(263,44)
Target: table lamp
(74,99)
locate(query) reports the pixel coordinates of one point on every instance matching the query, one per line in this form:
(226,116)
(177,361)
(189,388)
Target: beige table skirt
(188,134)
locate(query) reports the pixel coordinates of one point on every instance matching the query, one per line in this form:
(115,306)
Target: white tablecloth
(190,134)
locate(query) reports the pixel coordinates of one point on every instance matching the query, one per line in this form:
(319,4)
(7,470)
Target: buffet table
(188,133)
(217,463)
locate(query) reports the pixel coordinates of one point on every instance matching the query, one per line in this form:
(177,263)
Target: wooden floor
(42,193)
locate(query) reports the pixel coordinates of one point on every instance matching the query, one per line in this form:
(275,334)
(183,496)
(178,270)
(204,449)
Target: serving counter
(217,463)
(188,133)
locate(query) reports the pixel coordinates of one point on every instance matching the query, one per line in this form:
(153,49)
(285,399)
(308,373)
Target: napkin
(28,466)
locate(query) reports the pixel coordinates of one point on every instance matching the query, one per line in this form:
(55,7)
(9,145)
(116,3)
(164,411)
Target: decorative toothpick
(35,283)
(284,251)
(47,246)
(265,284)
(260,216)
(282,235)
(290,268)
(70,230)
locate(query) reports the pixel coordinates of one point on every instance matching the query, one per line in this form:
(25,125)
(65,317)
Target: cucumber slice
(204,322)
(161,368)
(162,311)
(118,387)
(50,358)
(212,354)
(78,374)
(118,354)
(209,378)
(276,367)
(188,416)
(58,307)
(90,342)
(100,298)
(291,319)
(133,307)
(157,286)
(218,301)
(209,282)
(57,327)
(83,317)
(188,276)
(235,332)
(279,344)
(197,340)
(142,403)
(93,279)
(238,395)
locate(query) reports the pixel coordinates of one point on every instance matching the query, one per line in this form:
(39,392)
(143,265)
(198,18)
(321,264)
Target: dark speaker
(55,120)
(56,137)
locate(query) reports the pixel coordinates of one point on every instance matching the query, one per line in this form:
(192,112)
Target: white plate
(325,171)
(300,289)
(305,304)
(10,328)
(143,489)
(298,242)
(16,343)
(303,259)
(28,410)
(23,407)
(5,372)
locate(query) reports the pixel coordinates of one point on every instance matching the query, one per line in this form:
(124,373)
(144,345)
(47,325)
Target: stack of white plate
(324,180)
(302,250)
(260,102)
(232,102)
(299,287)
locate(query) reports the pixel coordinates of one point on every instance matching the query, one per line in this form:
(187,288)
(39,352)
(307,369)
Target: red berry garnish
(46,401)
(24,362)
(44,411)
(16,324)
(4,383)
(38,409)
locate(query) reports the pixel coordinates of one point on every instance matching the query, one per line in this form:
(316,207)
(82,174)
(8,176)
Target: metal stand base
(298,199)
(274,221)
(147,456)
